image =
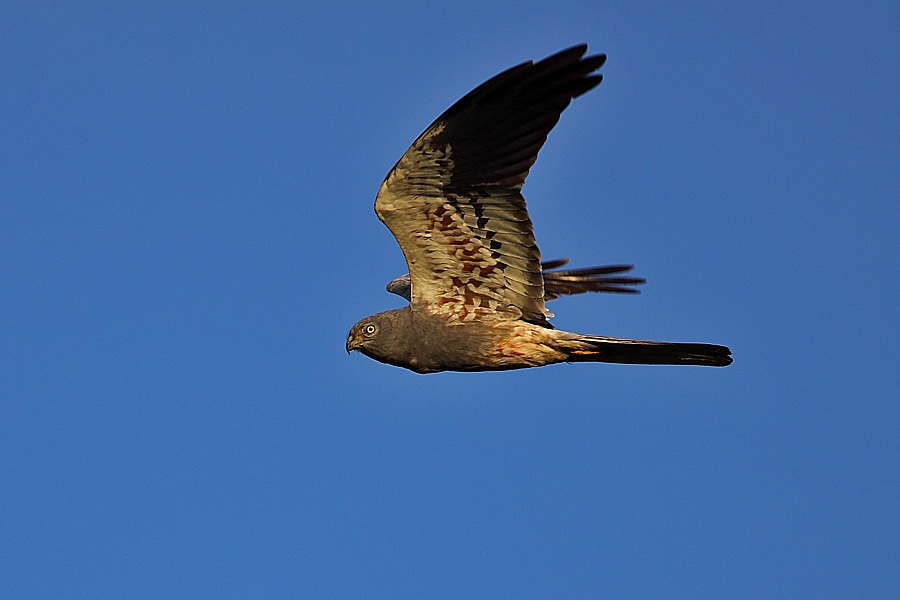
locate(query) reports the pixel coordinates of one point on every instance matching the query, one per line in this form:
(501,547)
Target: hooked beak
(352,343)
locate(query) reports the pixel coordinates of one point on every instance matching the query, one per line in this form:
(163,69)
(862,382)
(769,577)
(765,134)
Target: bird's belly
(487,347)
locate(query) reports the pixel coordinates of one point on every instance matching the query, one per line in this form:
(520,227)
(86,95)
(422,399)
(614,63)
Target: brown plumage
(476,285)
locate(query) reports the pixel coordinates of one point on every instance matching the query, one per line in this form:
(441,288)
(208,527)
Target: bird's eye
(370,329)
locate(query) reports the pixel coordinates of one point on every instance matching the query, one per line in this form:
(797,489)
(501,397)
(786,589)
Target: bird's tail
(593,348)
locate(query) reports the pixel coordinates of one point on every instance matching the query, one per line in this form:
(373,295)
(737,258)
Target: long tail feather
(643,352)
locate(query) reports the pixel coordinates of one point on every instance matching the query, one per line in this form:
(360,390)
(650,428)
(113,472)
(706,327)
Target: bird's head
(369,335)
(398,338)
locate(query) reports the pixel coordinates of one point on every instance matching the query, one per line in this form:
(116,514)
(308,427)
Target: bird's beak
(352,343)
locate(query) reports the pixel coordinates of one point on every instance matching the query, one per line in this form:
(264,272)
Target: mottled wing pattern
(453,200)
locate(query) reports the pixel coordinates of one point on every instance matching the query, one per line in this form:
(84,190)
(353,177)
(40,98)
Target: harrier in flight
(476,285)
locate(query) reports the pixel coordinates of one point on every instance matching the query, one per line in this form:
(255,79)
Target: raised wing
(561,283)
(453,200)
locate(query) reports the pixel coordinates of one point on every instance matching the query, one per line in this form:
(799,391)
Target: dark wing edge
(401,287)
(589,279)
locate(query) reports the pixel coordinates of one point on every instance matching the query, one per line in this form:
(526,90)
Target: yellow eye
(370,329)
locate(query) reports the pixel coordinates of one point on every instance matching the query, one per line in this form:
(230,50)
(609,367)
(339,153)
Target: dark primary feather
(590,279)
(497,129)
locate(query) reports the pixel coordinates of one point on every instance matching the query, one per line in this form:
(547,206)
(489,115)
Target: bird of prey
(476,286)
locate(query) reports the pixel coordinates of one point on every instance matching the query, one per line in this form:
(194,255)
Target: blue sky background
(186,236)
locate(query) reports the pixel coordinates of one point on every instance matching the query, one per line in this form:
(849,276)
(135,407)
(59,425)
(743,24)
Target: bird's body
(476,284)
(425,343)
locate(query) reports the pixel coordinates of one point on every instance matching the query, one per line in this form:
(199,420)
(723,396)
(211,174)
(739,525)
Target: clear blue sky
(187,234)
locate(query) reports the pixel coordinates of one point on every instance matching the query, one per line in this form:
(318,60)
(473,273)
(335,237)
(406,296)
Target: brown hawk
(476,286)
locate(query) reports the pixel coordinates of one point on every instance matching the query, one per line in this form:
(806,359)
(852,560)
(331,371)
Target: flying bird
(476,285)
